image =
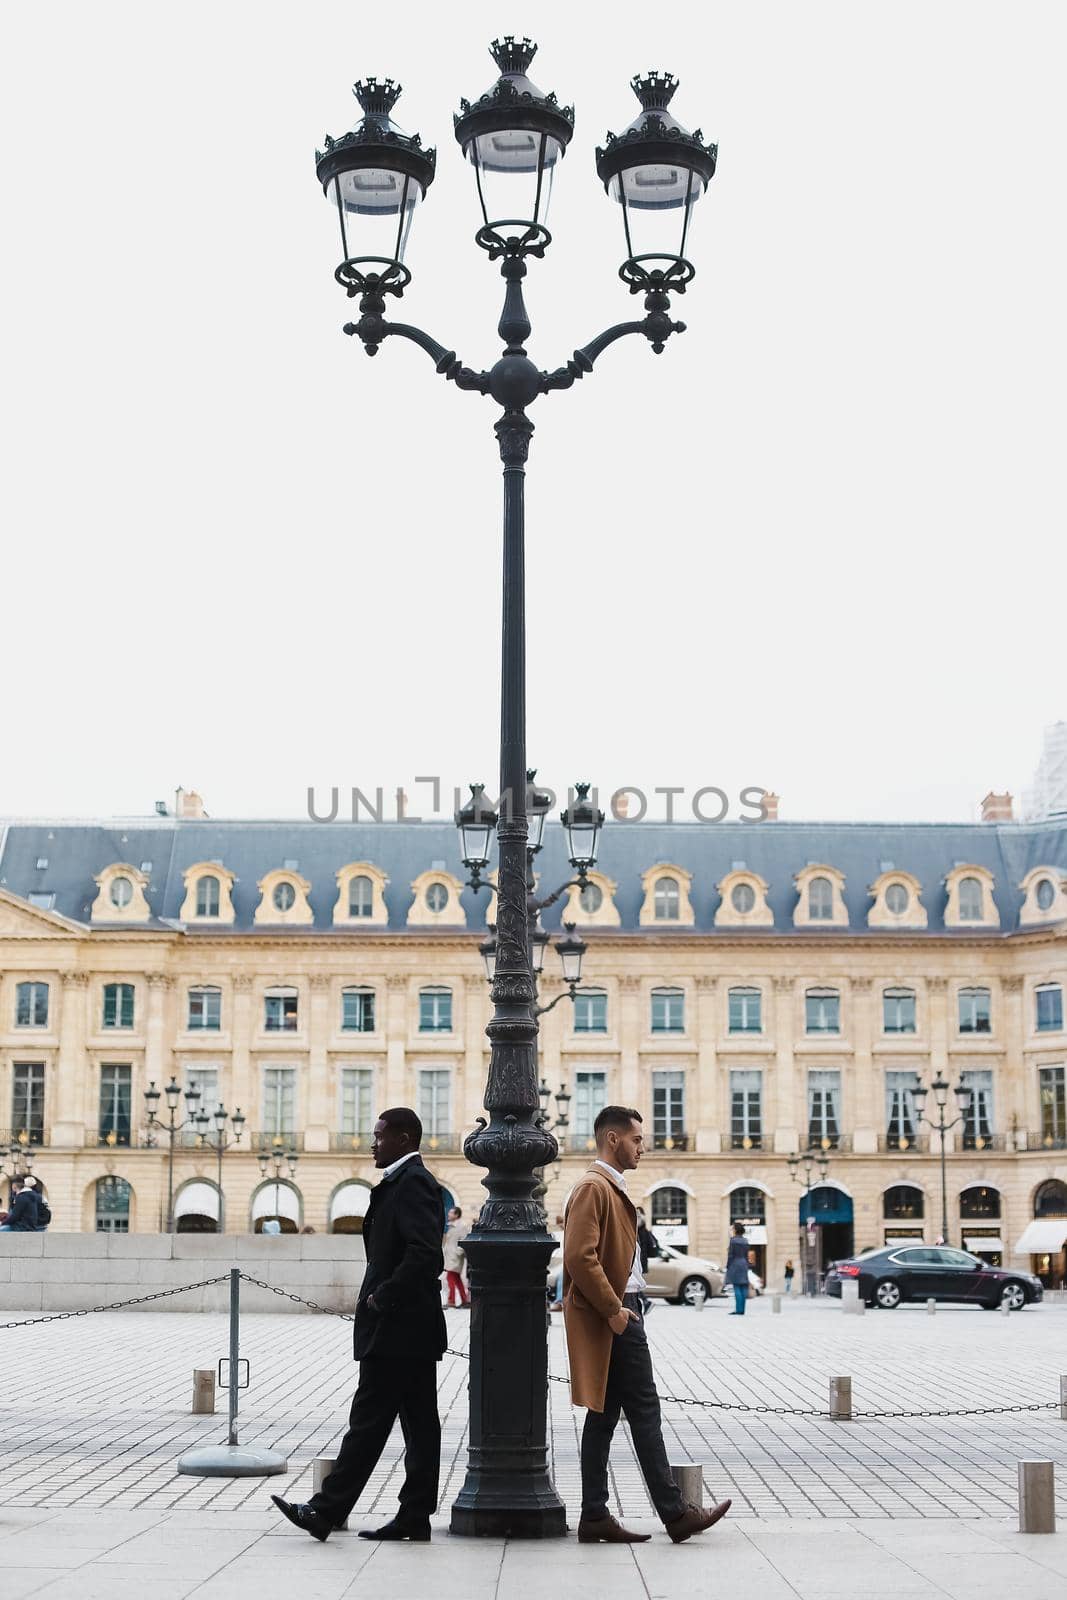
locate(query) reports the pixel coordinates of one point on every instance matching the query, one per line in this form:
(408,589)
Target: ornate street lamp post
(515,137)
(220,1142)
(964,1095)
(172,1127)
(276,1159)
(808,1160)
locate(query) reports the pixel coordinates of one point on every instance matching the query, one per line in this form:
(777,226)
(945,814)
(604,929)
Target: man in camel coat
(611,1367)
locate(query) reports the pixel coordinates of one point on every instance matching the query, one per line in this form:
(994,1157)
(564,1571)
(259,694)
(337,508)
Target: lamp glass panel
(571,961)
(375,207)
(659,200)
(506,162)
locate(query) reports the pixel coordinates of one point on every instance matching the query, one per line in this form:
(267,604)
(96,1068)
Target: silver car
(671,1275)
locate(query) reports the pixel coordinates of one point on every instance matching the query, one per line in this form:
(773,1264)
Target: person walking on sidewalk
(611,1366)
(788,1277)
(737,1268)
(455,1260)
(399,1339)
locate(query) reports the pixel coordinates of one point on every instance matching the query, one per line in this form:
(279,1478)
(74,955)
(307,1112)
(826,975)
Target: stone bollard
(321,1468)
(1063,1397)
(203,1391)
(776,1303)
(698,1305)
(850,1295)
(931,1307)
(1005,1309)
(689,1476)
(1037,1497)
(860,1307)
(840,1399)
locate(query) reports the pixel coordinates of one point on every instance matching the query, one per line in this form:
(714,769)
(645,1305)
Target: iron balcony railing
(670,1141)
(904,1143)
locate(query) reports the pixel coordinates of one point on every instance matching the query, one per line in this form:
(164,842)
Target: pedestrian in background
(647,1243)
(454,1257)
(789,1277)
(24,1215)
(737,1268)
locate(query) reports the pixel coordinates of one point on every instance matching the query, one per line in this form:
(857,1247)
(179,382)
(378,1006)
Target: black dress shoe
(417,1532)
(305,1518)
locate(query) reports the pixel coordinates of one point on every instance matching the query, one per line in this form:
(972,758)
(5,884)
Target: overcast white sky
(817,545)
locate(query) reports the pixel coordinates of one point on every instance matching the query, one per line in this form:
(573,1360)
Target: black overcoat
(402,1234)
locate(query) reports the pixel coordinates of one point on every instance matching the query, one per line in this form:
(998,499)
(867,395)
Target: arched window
(670,1208)
(348,1208)
(666,900)
(207,896)
(435,1010)
(979,1203)
(668,1011)
(276,1199)
(198,1208)
(112,1205)
(820,900)
(903,1203)
(1044,894)
(748,1205)
(971,908)
(121,893)
(360,897)
(1050,1199)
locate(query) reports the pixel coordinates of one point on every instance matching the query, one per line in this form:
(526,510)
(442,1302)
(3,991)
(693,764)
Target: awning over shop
(197,1199)
(1044,1237)
(756,1233)
(981,1242)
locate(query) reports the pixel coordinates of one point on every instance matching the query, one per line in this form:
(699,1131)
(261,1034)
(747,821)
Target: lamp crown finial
(655,89)
(511,54)
(376,99)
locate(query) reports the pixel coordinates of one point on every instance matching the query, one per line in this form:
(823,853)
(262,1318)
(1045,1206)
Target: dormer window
(591,897)
(820,900)
(666,899)
(970,900)
(820,897)
(121,896)
(896,899)
(121,893)
(666,895)
(436,900)
(207,896)
(436,896)
(743,898)
(284,896)
(360,896)
(1044,893)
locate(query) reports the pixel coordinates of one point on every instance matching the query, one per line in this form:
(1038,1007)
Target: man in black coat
(399,1339)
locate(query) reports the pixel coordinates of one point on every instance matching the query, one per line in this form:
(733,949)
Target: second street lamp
(516,135)
(964,1096)
(220,1142)
(172,1127)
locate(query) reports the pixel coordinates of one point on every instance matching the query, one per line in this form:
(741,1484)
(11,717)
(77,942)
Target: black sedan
(932,1272)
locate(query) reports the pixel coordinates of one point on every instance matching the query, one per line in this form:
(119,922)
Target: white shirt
(395,1166)
(635,1283)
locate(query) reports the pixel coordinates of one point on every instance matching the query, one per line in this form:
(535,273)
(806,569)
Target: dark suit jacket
(737,1260)
(23,1216)
(402,1236)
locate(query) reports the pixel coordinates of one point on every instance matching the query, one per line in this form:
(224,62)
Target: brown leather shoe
(605,1530)
(694,1519)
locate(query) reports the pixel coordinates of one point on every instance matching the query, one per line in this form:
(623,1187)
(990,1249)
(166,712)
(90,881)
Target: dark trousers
(388,1389)
(631,1389)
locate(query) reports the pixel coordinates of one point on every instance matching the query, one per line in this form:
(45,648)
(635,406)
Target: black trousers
(631,1389)
(388,1389)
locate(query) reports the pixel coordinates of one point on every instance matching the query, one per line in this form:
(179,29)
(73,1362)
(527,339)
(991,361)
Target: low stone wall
(74,1271)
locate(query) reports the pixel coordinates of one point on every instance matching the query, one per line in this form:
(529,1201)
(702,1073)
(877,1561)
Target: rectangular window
(746,1118)
(668,1109)
(357,1011)
(281,1011)
(116,1094)
(206,1079)
(205,1010)
(357,1102)
(590,1097)
(279,1100)
(1049,1008)
(118,1005)
(1052,1083)
(435,1011)
(822,1011)
(27,1101)
(898,1011)
(824,1107)
(668,1011)
(590,1011)
(978,1122)
(974,1011)
(31,1005)
(900,1122)
(435,1102)
(746,1011)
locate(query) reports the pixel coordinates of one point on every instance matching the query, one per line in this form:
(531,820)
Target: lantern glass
(538,942)
(657,201)
(513,169)
(375,207)
(173,1093)
(571,949)
(487,950)
(220,1118)
(476,823)
(583,822)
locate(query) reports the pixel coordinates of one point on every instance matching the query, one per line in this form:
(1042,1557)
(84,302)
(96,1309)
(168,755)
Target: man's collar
(395,1166)
(620,1177)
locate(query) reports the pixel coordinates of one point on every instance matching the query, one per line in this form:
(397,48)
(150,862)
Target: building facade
(754,988)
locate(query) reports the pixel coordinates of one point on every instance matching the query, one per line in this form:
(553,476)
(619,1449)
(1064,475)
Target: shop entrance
(830,1236)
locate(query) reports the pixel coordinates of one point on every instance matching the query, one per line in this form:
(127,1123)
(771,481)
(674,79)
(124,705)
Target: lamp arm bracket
(372,328)
(550,899)
(656,327)
(564,994)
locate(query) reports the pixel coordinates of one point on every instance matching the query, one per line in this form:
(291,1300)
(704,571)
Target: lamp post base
(508,1490)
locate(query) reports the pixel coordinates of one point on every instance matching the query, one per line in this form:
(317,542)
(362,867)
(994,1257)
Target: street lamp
(172,1127)
(964,1097)
(221,1141)
(809,1160)
(556,1125)
(21,1153)
(514,137)
(276,1158)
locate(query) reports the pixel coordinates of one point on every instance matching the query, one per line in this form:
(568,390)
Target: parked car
(932,1272)
(672,1275)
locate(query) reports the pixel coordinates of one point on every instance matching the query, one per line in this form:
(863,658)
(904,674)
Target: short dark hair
(615,1117)
(458,1210)
(739,1227)
(403,1120)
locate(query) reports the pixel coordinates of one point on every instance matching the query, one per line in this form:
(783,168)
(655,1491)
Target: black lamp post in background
(220,1142)
(556,1125)
(808,1160)
(515,137)
(172,1127)
(276,1159)
(964,1095)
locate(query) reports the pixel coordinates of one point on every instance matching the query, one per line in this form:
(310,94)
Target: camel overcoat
(599,1240)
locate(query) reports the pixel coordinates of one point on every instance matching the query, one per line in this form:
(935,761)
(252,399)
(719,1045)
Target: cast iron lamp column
(808,1159)
(515,137)
(277,1158)
(172,1127)
(964,1095)
(221,1142)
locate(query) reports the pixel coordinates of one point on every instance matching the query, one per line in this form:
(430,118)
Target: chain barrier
(690,1400)
(115,1305)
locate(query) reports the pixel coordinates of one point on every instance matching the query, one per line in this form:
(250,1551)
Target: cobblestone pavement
(95,1410)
